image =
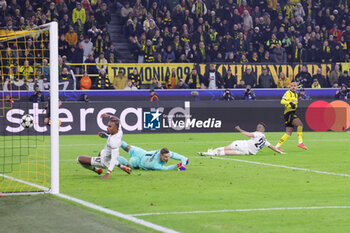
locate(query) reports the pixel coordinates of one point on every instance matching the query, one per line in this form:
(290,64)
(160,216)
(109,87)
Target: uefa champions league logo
(151,120)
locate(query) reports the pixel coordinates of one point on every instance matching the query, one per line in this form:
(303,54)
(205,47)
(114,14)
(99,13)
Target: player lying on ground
(245,147)
(290,102)
(151,160)
(108,157)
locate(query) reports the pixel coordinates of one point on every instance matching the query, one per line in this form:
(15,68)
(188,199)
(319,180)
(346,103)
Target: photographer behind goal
(342,94)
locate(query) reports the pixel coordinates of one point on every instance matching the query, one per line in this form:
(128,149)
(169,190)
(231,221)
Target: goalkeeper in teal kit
(151,160)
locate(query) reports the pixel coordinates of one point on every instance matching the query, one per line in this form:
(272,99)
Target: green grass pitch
(221,184)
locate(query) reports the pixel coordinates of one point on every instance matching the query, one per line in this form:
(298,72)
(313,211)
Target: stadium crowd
(242,31)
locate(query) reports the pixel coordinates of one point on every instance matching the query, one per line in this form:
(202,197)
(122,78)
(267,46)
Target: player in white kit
(107,158)
(245,147)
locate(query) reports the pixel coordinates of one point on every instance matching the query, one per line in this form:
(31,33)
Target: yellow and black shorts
(289,117)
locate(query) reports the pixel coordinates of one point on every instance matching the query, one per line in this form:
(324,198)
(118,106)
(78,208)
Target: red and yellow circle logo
(322,116)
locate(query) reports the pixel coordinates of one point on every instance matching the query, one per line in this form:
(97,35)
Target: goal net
(28,83)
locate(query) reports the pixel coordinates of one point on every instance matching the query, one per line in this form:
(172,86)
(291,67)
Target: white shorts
(240,147)
(100,161)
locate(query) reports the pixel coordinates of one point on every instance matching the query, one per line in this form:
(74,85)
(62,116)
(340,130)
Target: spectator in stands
(181,84)
(315,84)
(103,81)
(168,55)
(101,62)
(64,24)
(153,96)
(230,81)
(283,81)
(241,84)
(249,93)
(212,78)
(79,13)
(342,94)
(304,78)
(279,54)
(37,97)
(125,12)
(26,71)
(335,75)
(87,47)
(320,78)
(71,37)
(120,82)
(45,70)
(249,77)
(266,80)
(78,57)
(62,45)
(103,16)
(194,80)
(85,82)
(171,80)
(130,86)
(135,79)
(66,79)
(91,65)
(344,79)
(99,45)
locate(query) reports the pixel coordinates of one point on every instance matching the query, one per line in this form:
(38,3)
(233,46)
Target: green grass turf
(41,213)
(213,184)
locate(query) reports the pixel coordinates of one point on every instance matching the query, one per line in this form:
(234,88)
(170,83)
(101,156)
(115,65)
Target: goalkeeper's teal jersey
(150,160)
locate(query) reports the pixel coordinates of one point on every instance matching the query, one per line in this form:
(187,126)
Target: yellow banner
(289,70)
(160,70)
(149,70)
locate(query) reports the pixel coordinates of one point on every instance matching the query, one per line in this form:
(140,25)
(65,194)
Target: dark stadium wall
(180,95)
(178,116)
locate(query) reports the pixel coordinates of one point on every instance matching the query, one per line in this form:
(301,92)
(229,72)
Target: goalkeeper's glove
(180,164)
(292,104)
(103,134)
(182,168)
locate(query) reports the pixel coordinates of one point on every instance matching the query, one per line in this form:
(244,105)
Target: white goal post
(54,102)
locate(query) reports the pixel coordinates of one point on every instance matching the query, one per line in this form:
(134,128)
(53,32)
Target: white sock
(213,152)
(217,151)
(221,151)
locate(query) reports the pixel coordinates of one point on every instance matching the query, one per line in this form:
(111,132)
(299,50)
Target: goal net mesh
(24,70)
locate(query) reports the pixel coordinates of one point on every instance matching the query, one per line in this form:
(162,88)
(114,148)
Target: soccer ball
(27,121)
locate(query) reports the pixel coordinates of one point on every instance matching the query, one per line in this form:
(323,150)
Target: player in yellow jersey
(290,101)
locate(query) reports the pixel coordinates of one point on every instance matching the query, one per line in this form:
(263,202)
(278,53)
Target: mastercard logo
(323,116)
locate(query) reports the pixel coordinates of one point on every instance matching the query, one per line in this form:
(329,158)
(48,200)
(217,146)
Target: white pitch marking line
(283,166)
(24,182)
(99,208)
(118,214)
(244,210)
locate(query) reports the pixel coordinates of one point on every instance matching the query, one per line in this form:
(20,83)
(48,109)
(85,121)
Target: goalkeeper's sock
(124,145)
(300,134)
(283,139)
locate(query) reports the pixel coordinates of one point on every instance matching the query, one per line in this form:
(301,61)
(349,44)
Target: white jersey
(257,142)
(111,151)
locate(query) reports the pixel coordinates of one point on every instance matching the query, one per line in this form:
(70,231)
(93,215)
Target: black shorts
(289,117)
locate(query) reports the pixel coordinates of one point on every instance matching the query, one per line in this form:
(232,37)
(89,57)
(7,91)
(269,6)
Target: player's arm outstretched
(184,161)
(275,149)
(248,134)
(105,115)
